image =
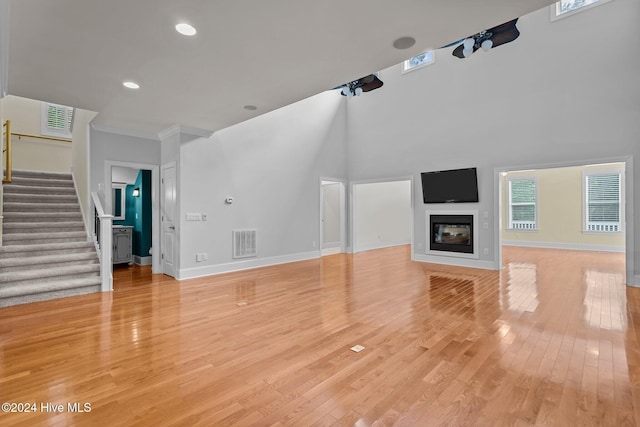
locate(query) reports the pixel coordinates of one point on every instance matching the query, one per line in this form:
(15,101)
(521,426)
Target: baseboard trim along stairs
(45,252)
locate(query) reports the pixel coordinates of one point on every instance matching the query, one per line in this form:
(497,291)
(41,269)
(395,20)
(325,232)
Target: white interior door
(168,220)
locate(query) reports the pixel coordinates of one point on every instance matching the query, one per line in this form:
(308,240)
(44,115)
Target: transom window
(523,197)
(603,202)
(569,7)
(419,61)
(56,120)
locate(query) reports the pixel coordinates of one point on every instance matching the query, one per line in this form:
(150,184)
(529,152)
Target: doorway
(332,217)
(382,213)
(581,207)
(150,219)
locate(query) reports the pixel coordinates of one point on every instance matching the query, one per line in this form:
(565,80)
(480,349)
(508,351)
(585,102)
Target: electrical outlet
(357,348)
(198,257)
(205,256)
(313,243)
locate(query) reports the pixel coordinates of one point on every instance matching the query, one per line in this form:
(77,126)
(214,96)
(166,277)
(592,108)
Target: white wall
(381,214)
(107,146)
(271,166)
(563,93)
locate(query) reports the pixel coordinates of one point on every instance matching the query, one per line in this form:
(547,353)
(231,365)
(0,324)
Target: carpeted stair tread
(40,207)
(19,289)
(40,198)
(46,274)
(31,227)
(36,238)
(47,261)
(42,216)
(39,174)
(47,247)
(34,189)
(39,182)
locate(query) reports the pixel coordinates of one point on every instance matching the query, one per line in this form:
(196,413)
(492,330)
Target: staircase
(45,252)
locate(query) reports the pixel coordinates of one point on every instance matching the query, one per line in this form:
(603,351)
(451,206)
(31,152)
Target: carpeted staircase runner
(45,252)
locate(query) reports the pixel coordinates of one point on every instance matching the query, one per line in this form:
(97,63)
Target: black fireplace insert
(451,233)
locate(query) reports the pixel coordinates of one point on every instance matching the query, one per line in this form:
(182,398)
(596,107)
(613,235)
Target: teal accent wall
(138,213)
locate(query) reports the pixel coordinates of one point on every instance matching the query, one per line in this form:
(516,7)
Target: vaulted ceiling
(246,52)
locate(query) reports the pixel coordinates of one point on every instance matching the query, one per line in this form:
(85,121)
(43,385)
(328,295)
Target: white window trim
(537,203)
(553,9)
(614,171)
(426,64)
(45,129)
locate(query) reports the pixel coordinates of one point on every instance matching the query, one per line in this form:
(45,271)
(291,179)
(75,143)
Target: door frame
(156,265)
(343,213)
(499,203)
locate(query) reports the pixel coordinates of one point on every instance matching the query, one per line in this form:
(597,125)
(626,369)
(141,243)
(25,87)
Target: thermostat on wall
(228,200)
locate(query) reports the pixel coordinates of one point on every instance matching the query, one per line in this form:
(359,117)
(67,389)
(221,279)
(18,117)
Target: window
(603,202)
(570,7)
(56,120)
(419,61)
(523,195)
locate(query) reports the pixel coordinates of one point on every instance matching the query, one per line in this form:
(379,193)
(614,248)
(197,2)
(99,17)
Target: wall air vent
(244,243)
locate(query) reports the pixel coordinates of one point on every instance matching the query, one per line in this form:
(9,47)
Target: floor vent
(244,243)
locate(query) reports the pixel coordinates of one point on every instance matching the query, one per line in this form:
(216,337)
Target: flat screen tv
(450,186)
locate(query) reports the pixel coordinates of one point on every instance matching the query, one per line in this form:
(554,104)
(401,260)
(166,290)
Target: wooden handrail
(7,151)
(52,138)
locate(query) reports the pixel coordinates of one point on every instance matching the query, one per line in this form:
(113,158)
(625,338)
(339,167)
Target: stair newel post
(105,253)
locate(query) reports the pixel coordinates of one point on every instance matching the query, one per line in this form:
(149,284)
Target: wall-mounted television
(450,186)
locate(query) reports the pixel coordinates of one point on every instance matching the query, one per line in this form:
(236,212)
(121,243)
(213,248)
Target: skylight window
(565,8)
(419,61)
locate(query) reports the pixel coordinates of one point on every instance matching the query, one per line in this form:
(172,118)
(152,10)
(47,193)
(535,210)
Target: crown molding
(184,131)
(125,132)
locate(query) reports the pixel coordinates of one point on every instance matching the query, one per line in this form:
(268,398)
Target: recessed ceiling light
(131,85)
(250,107)
(404,42)
(185,29)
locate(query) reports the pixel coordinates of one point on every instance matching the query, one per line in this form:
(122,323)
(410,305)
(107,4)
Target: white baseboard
(330,245)
(458,262)
(331,251)
(146,260)
(210,270)
(572,246)
(381,246)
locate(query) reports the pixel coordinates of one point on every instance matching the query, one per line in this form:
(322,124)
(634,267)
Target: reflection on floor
(552,339)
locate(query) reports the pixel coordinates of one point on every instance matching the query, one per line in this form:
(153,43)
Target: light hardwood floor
(550,340)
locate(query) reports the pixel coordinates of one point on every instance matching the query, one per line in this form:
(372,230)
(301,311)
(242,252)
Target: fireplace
(452,233)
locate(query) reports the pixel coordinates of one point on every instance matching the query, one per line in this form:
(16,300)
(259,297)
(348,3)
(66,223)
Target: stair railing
(6,150)
(5,144)
(102,238)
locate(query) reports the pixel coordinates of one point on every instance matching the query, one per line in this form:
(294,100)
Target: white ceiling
(263,53)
